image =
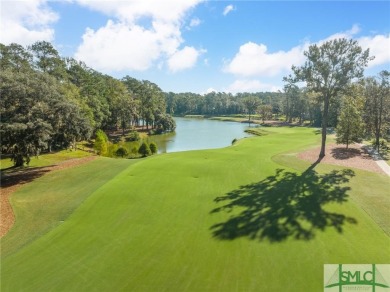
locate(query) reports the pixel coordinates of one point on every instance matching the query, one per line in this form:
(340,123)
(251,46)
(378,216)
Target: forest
(49,102)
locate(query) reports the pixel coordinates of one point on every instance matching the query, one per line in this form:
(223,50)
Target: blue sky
(195,45)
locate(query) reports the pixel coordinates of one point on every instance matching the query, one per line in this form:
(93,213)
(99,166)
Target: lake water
(196,134)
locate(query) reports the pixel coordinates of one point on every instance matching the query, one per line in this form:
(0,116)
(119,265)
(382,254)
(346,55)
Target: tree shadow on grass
(284,205)
(21,175)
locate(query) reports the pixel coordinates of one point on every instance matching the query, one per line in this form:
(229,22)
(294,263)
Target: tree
(101,142)
(15,57)
(144,149)
(377,106)
(153,147)
(251,104)
(292,95)
(329,68)
(27,100)
(165,123)
(48,60)
(122,152)
(265,111)
(350,126)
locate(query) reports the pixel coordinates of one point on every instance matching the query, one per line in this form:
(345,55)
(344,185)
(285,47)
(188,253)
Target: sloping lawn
(243,218)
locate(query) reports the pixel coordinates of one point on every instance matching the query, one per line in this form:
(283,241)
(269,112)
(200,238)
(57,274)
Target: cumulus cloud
(254,60)
(250,85)
(344,34)
(126,43)
(195,22)
(228,9)
(117,47)
(183,59)
(25,22)
(379,46)
(131,11)
(209,90)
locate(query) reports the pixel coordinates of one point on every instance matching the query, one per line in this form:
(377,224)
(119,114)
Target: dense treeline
(218,103)
(336,95)
(291,104)
(50,102)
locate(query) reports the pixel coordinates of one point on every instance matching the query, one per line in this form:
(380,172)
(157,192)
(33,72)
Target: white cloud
(247,85)
(25,22)
(209,90)
(254,60)
(195,22)
(117,47)
(228,9)
(131,11)
(379,46)
(344,34)
(183,59)
(124,44)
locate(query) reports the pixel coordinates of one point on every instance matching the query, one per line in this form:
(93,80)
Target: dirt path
(356,157)
(13,181)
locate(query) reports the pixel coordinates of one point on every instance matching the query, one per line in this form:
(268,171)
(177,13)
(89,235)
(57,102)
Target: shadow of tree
(284,205)
(22,175)
(343,153)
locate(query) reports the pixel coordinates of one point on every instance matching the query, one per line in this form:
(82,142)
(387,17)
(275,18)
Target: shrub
(153,147)
(134,150)
(144,149)
(234,141)
(133,136)
(101,142)
(121,152)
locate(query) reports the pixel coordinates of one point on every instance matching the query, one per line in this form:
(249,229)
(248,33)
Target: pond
(196,134)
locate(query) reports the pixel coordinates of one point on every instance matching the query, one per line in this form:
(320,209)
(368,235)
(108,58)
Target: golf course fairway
(249,217)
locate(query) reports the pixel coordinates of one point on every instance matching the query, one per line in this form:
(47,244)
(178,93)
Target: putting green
(240,218)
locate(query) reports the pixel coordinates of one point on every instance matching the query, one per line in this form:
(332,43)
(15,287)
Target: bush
(121,152)
(144,150)
(234,141)
(134,150)
(153,147)
(101,142)
(133,136)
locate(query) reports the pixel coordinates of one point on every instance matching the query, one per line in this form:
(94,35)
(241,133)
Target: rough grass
(213,220)
(48,158)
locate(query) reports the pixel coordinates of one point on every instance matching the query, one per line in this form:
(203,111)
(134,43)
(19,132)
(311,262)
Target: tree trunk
(18,160)
(324,126)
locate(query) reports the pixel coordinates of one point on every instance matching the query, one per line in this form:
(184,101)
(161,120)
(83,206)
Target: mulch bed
(355,157)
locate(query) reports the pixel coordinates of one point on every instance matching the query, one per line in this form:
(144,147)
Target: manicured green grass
(213,220)
(48,158)
(48,201)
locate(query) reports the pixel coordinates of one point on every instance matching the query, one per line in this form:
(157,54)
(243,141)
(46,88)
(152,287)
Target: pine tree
(350,126)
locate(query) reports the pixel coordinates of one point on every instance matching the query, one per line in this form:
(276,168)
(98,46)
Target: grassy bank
(249,217)
(48,158)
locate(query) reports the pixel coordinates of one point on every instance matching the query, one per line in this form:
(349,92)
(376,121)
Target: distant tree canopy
(219,103)
(49,102)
